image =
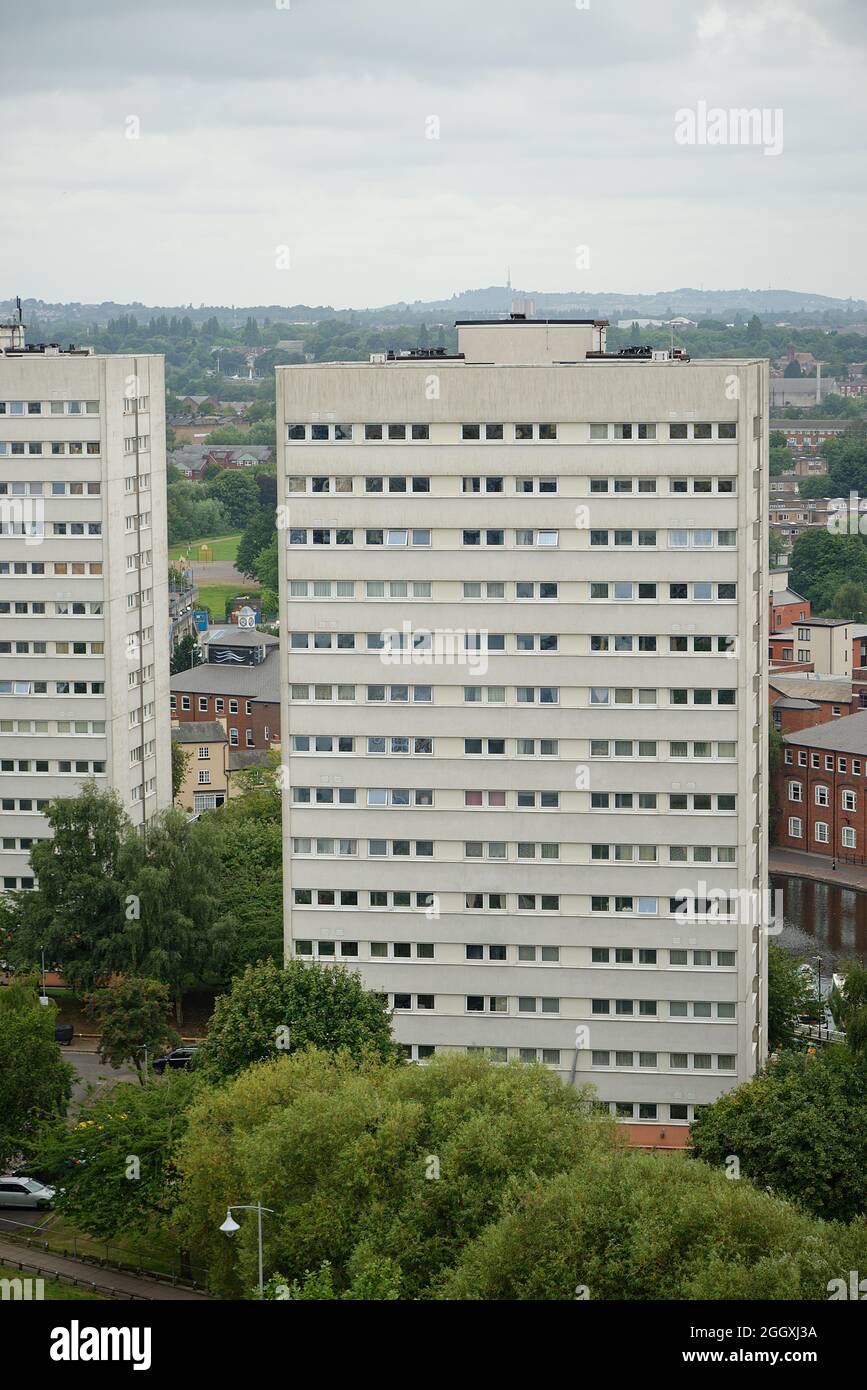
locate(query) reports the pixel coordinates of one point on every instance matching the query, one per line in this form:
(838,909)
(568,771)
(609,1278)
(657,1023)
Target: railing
(173,1269)
(57,1276)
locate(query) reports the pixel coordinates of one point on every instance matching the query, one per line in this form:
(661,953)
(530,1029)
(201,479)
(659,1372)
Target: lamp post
(230,1226)
(818,960)
(43,998)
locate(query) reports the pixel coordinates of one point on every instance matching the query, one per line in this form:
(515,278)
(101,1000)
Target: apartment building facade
(524,620)
(83,586)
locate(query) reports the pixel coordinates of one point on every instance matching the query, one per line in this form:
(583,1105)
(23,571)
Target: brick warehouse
(822,789)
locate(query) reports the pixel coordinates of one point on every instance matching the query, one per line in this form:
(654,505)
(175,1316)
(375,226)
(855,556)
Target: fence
(175,1270)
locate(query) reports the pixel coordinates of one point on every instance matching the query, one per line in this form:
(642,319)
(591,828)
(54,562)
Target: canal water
(822,919)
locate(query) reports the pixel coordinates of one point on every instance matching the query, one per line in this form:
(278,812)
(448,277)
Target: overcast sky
(304,124)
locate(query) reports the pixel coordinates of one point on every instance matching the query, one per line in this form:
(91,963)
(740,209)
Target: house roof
(788,702)
(835,688)
(848,735)
(230,635)
(200,731)
(260,682)
(788,596)
(240,758)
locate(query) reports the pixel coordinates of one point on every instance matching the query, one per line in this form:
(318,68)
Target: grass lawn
(54,1289)
(214,596)
(223,547)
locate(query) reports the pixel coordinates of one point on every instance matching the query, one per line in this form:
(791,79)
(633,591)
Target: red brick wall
(833,814)
(787,614)
(264,714)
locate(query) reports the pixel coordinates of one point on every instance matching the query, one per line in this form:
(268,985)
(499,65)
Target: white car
(24,1192)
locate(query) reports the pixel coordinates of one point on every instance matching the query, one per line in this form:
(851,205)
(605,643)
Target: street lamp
(230,1226)
(43,998)
(818,960)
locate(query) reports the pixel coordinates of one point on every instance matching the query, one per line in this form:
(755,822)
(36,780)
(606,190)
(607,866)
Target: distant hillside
(496,299)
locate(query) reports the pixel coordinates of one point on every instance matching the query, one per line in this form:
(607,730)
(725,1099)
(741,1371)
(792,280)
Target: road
(90,1071)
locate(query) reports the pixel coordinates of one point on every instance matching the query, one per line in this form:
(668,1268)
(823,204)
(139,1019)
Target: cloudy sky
(284,148)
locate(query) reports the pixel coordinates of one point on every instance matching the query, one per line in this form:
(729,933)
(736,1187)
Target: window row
(15,448)
(677,748)
(42,568)
(620,590)
(644,955)
(624,487)
(49,407)
(36,489)
(677,538)
(677,854)
(52,648)
(30,687)
(664,1061)
(830,761)
(677,429)
(821,833)
(677,801)
(822,796)
(80,768)
(73,727)
(676,1008)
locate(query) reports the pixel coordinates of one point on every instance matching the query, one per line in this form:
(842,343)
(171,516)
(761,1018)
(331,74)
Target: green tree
(237,494)
(850,601)
(258,534)
(186,655)
(249,847)
(180,758)
(132,1013)
(191,514)
(270,1010)
(176,935)
(849,1006)
(84,871)
(35,1083)
(115,1166)
(792,368)
(651,1226)
(790,994)
(264,565)
(799,1128)
(370,1163)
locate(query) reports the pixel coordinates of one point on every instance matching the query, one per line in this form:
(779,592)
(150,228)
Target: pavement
(219,572)
(125,1285)
(796,863)
(90,1071)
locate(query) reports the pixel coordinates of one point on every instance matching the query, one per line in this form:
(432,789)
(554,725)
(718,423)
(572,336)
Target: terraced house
(525,607)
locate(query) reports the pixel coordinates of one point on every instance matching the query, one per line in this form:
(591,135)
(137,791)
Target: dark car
(179,1057)
(64,1033)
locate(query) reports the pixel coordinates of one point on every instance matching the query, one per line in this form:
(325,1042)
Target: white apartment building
(524,613)
(83,586)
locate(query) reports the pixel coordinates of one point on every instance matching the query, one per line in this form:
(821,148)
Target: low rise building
(205,783)
(800,701)
(238,682)
(822,790)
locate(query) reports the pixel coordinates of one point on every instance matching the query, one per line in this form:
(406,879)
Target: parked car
(179,1057)
(64,1033)
(24,1192)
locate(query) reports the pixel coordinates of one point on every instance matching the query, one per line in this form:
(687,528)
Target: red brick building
(239,683)
(822,790)
(786,608)
(801,703)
